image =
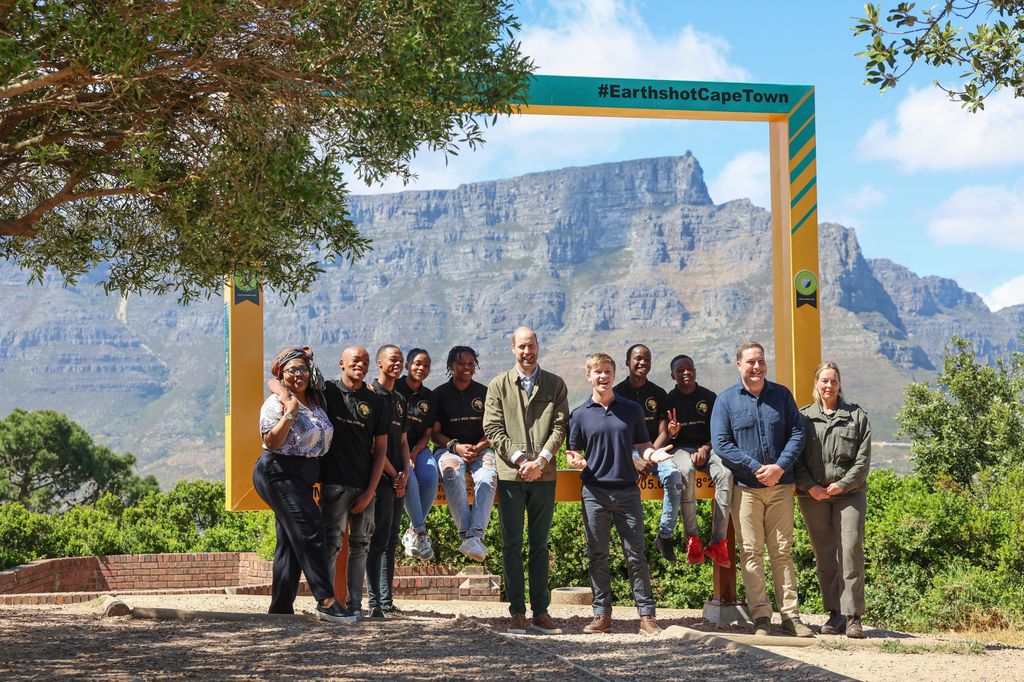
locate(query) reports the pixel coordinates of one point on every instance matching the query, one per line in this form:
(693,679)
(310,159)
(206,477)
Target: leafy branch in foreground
(179,142)
(990,54)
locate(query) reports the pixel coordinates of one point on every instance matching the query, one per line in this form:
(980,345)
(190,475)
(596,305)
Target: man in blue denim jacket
(757,430)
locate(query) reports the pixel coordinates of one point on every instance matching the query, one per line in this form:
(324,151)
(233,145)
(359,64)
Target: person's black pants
(380,564)
(285,483)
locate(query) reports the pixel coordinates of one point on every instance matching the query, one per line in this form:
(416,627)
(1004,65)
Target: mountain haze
(594,258)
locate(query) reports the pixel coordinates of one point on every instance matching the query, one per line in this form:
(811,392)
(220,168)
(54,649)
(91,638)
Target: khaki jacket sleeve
(494,420)
(804,479)
(560,418)
(857,475)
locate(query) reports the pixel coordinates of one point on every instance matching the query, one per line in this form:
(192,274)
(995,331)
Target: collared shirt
(693,412)
(607,436)
(528,381)
(749,431)
(422,409)
(358,417)
(651,398)
(397,423)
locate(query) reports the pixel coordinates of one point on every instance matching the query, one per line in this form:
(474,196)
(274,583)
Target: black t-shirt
(358,416)
(461,413)
(422,410)
(397,423)
(693,411)
(652,400)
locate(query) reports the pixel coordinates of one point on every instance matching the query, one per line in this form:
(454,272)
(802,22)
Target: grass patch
(970,647)
(834,644)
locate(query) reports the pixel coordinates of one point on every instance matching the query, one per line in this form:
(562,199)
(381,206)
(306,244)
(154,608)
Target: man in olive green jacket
(525,419)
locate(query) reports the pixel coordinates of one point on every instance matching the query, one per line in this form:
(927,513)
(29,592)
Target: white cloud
(580,38)
(609,38)
(1006,294)
(930,132)
(990,216)
(864,198)
(746,176)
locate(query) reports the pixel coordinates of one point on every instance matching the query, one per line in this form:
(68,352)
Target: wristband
(647,454)
(451,445)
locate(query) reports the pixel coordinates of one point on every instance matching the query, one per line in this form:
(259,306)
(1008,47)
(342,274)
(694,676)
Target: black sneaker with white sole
(377,613)
(335,613)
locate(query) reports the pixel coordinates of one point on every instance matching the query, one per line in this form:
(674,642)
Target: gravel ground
(71,641)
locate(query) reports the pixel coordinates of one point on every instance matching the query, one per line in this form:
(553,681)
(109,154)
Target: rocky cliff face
(594,258)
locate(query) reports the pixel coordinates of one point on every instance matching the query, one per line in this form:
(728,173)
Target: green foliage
(48,462)
(23,535)
(988,56)
(972,419)
(179,142)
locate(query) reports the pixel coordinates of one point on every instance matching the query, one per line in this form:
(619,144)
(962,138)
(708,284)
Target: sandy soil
(72,641)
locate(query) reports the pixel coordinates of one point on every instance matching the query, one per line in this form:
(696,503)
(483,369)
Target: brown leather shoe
(600,625)
(543,624)
(649,626)
(517,624)
(854,629)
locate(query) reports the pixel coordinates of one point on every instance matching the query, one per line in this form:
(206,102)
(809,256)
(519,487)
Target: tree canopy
(986,56)
(971,420)
(48,463)
(180,141)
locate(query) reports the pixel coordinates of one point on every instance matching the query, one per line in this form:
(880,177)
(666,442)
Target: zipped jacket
(836,450)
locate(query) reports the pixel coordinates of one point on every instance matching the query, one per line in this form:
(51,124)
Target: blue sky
(923,182)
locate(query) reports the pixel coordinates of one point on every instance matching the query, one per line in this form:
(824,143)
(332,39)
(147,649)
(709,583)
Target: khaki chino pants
(763,518)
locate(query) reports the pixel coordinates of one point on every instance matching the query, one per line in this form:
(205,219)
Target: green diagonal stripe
(803,164)
(804,219)
(802,115)
(804,191)
(798,142)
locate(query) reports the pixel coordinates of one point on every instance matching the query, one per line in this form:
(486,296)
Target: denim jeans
(335,501)
(421,490)
(678,476)
(470,522)
(380,564)
(601,508)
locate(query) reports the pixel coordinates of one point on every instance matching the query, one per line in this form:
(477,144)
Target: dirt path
(73,642)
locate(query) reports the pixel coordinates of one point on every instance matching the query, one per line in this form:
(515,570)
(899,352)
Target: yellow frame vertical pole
(243,394)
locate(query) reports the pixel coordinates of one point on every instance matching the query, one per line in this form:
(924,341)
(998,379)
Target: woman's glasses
(296,371)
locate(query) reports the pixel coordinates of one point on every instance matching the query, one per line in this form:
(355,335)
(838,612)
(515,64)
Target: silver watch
(289,415)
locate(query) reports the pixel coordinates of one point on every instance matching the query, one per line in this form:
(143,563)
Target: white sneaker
(409,543)
(423,548)
(474,548)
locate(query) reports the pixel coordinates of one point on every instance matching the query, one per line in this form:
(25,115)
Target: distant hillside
(594,258)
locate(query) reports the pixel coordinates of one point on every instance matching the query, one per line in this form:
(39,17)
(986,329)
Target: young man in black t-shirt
(380,565)
(459,431)
(639,389)
(689,406)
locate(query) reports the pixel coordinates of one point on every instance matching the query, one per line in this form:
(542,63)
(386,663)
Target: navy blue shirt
(607,438)
(748,432)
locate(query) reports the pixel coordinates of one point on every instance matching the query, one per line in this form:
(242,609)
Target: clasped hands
(821,494)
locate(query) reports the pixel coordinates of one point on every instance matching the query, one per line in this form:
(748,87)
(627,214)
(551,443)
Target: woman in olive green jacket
(831,476)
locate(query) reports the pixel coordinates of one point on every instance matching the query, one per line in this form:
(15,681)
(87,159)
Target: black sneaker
(377,613)
(394,612)
(663,543)
(335,613)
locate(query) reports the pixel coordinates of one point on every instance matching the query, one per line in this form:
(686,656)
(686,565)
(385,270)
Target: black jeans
(285,483)
(380,564)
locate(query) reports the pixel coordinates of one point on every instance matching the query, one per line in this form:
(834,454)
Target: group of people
(368,445)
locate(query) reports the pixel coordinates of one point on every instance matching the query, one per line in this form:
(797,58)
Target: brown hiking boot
(600,625)
(795,627)
(517,624)
(854,629)
(649,626)
(543,624)
(836,624)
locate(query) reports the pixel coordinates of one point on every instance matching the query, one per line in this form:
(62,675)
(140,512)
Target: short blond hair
(598,359)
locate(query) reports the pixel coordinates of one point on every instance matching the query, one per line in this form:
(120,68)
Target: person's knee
(451,466)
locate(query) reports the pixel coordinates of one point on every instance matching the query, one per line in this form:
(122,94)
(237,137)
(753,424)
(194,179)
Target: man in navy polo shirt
(758,432)
(603,433)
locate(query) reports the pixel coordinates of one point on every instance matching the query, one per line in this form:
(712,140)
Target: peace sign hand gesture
(673,425)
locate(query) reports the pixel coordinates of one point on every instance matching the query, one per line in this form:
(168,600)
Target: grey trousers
(601,508)
(836,527)
(335,501)
(723,479)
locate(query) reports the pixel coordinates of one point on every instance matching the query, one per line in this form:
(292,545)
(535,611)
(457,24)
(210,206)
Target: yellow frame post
(789,112)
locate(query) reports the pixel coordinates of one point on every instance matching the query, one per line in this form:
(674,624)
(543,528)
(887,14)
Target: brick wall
(77,579)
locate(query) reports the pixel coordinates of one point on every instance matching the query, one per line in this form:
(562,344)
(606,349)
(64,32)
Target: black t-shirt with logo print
(651,397)
(461,413)
(358,417)
(397,423)
(422,410)
(693,411)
